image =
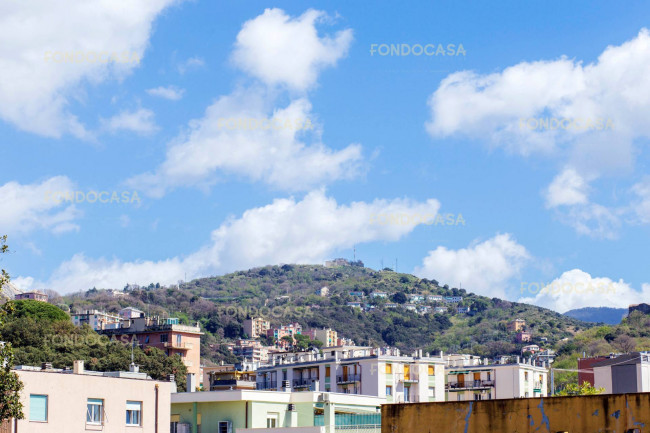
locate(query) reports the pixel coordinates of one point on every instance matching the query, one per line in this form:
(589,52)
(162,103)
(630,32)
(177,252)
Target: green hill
(291,293)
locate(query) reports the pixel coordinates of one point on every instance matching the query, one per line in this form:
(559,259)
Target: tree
(575,389)
(10,384)
(400,298)
(624,343)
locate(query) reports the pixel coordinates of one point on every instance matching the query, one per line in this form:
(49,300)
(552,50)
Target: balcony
(411,378)
(273,385)
(348,378)
(537,387)
(304,383)
(474,384)
(178,346)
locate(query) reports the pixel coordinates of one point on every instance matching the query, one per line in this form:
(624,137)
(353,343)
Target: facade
(586,370)
(516,325)
(434,298)
(523,337)
(453,299)
(165,334)
(327,336)
(336,263)
(129,313)
(415,298)
(354,304)
(246,411)
(256,327)
(56,401)
(324,291)
(357,294)
(628,373)
(251,350)
(97,320)
(34,296)
(356,370)
(290,330)
(532,348)
(476,380)
(379,295)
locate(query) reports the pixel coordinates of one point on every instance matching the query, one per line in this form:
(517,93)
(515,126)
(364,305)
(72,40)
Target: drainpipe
(195,421)
(156,423)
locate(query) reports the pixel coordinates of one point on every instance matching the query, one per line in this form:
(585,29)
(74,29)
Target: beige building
(516,325)
(328,336)
(58,401)
(256,327)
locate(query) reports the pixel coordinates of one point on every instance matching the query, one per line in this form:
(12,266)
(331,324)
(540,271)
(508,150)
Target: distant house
(391,305)
(34,296)
(354,304)
(357,294)
(463,310)
(516,325)
(410,307)
(440,310)
(324,291)
(523,337)
(130,313)
(424,309)
(415,298)
(532,348)
(434,298)
(336,263)
(453,299)
(379,295)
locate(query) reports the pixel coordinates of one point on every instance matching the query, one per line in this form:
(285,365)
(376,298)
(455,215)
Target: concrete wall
(598,413)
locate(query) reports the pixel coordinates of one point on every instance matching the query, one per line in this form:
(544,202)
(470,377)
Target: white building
(97,320)
(469,378)
(358,370)
(628,373)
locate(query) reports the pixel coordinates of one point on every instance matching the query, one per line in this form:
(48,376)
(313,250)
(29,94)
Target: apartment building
(523,336)
(56,401)
(379,372)
(251,350)
(230,376)
(97,320)
(453,299)
(34,296)
(250,411)
(516,325)
(290,330)
(470,378)
(629,373)
(256,327)
(129,313)
(328,336)
(434,298)
(165,334)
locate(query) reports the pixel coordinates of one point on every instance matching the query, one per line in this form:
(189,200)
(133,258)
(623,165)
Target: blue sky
(395,136)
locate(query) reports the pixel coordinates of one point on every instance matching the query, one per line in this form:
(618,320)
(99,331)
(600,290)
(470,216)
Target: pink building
(34,296)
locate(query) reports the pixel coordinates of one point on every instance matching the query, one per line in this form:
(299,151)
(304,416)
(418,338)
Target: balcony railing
(179,346)
(349,378)
(537,386)
(470,384)
(267,385)
(411,378)
(303,383)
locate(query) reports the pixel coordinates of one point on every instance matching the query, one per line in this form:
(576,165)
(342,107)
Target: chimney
(191,382)
(78,367)
(171,378)
(133,368)
(517,359)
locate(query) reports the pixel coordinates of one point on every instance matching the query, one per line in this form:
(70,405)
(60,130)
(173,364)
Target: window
(38,408)
(164,338)
(407,394)
(432,391)
(525,375)
(178,339)
(146,339)
(133,413)
(327,371)
(432,370)
(389,368)
(272,420)
(95,411)
(389,390)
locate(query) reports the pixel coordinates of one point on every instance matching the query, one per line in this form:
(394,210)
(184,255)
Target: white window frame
(91,415)
(132,411)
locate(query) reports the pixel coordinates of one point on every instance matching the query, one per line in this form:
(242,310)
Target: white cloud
(616,88)
(577,289)
(568,188)
(279,49)
(277,155)
(170,92)
(285,231)
(190,64)
(140,121)
(483,268)
(641,201)
(37,82)
(34,207)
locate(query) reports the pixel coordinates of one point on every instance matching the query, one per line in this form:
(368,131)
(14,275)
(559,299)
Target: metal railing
(176,345)
(348,378)
(470,384)
(303,382)
(267,385)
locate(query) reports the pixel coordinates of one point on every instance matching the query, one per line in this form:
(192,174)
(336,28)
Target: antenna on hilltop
(395,264)
(354,253)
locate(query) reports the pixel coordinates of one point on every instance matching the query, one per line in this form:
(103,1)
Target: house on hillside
(516,325)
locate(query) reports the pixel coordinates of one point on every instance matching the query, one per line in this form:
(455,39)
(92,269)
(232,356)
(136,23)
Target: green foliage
(10,384)
(575,389)
(36,309)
